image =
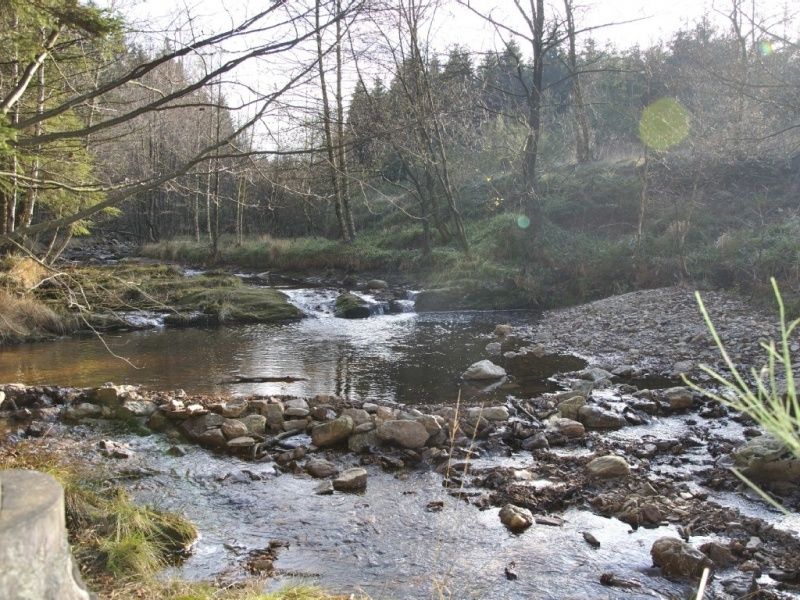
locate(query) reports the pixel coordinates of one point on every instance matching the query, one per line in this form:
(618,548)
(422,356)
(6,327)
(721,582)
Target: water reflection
(403,357)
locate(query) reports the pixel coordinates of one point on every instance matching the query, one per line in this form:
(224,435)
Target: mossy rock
(238,305)
(350,306)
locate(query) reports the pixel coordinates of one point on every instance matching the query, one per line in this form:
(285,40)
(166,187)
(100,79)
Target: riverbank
(40,304)
(453,281)
(659,332)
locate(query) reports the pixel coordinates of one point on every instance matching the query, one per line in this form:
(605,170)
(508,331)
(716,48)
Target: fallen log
(278,379)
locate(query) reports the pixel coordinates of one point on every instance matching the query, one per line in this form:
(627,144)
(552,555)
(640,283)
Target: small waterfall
(314,302)
(320,302)
(142,319)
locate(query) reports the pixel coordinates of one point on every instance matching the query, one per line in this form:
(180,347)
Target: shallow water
(405,357)
(385,542)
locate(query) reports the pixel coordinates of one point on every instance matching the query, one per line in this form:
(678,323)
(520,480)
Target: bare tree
(541,36)
(583,153)
(285,29)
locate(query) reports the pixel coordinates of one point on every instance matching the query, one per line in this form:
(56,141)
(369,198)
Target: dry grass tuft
(21,273)
(23,318)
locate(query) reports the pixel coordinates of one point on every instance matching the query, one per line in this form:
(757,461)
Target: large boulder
(678,398)
(432,423)
(359,416)
(234,408)
(377,284)
(84,410)
(595,417)
(495,413)
(515,518)
(332,432)
(350,306)
(136,408)
(484,370)
(244,441)
(113,395)
(34,549)
(255,424)
(608,467)
(295,403)
(595,374)
(213,438)
(274,415)
(233,428)
(766,459)
(194,427)
(351,480)
(503,330)
(569,428)
(361,442)
(321,468)
(678,559)
(569,408)
(405,433)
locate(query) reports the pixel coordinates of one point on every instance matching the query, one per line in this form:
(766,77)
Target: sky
(654,19)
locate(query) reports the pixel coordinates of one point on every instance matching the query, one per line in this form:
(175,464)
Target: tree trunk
(342,157)
(10,213)
(33,191)
(582,137)
(422,98)
(341,217)
(643,200)
(532,206)
(215,220)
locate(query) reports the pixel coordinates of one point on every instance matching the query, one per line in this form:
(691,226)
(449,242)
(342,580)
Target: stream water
(406,357)
(383,542)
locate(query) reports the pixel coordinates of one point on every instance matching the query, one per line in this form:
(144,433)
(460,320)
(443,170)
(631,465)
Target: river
(385,542)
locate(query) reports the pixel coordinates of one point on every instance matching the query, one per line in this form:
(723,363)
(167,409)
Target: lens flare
(523,222)
(765,48)
(664,124)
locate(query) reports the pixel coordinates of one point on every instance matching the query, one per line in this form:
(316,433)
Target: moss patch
(238,305)
(210,298)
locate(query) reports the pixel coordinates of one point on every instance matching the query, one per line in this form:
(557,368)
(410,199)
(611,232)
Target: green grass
(266,253)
